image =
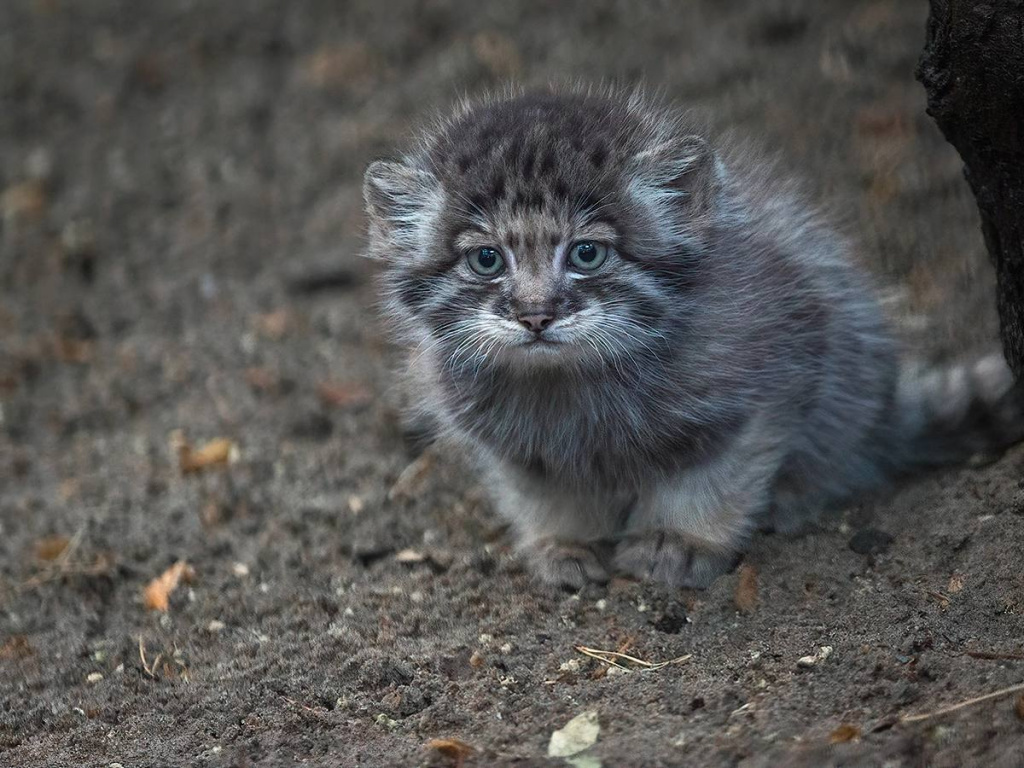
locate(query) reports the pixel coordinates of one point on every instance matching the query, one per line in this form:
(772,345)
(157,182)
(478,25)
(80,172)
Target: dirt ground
(180,262)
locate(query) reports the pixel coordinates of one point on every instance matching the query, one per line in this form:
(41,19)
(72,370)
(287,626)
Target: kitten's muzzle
(536,320)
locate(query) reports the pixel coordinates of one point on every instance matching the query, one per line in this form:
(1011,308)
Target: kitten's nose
(536,321)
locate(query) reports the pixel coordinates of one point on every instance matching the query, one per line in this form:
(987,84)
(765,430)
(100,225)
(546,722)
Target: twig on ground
(995,656)
(612,659)
(969,702)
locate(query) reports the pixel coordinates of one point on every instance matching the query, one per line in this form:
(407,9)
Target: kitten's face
(536,291)
(533,240)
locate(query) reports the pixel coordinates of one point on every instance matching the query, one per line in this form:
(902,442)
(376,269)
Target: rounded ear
(400,199)
(682,167)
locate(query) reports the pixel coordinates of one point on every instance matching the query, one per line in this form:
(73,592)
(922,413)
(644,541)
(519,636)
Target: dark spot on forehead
(528,158)
(528,199)
(554,239)
(497,190)
(548,163)
(478,201)
(598,156)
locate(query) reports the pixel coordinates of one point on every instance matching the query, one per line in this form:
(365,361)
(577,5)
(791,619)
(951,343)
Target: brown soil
(179,250)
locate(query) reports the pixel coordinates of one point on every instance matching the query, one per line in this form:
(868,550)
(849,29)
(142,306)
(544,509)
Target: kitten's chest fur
(609,431)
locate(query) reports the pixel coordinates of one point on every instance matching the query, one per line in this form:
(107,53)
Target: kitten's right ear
(400,200)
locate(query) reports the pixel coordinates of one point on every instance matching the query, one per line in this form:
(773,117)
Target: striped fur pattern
(725,367)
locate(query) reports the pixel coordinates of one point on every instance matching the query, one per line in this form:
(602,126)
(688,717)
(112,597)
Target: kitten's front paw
(571,564)
(673,559)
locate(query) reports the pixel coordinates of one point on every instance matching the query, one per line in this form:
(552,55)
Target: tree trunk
(972,69)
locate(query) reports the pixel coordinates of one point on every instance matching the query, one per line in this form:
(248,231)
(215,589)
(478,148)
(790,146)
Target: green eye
(486,262)
(586,255)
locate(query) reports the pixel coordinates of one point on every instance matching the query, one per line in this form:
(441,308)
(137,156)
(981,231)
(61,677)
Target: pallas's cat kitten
(648,346)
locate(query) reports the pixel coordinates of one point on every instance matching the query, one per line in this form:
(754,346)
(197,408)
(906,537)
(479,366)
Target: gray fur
(727,367)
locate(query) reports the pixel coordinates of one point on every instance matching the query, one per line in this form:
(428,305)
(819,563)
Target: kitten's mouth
(540,342)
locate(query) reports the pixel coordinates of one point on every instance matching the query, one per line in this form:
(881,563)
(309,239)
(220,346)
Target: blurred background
(192,370)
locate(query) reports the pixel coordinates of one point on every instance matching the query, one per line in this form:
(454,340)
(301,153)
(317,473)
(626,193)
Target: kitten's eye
(486,262)
(586,255)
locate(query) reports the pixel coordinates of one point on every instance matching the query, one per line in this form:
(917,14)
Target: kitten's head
(544,230)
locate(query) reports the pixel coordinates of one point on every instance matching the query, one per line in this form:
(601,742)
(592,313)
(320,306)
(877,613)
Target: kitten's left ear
(683,167)
(400,201)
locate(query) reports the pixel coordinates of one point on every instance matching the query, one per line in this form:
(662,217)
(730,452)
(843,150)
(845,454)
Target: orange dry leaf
(746,589)
(261,379)
(158,592)
(16,647)
(26,200)
(453,749)
(844,733)
(338,395)
(274,325)
(215,453)
(51,547)
(69,350)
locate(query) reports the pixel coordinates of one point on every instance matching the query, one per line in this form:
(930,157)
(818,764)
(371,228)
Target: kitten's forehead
(541,152)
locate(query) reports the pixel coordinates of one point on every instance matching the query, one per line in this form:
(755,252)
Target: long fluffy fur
(728,368)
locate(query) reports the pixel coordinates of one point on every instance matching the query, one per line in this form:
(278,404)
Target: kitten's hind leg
(691,528)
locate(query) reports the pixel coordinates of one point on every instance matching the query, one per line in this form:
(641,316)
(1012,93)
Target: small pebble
(94,677)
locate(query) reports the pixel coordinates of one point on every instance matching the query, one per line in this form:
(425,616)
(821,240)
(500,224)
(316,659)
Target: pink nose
(537,321)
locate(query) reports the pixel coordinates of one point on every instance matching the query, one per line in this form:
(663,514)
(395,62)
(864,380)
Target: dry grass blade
(969,702)
(613,658)
(149,670)
(63,565)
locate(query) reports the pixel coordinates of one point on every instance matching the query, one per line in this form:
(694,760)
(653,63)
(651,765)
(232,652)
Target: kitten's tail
(949,415)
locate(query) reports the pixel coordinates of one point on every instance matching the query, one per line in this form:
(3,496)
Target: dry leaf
(338,395)
(217,452)
(16,647)
(498,54)
(956,583)
(26,200)
(1018,706)
(844,733)
(51,547)
(158,592)
(274,325)
(746,589)
(69,350)
(341,66)
(453,749)
(410,556)
(262,380)
(410,482)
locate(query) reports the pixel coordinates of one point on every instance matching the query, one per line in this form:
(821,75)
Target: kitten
(649,349)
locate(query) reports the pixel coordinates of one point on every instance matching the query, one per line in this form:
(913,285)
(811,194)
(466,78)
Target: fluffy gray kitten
(649,349)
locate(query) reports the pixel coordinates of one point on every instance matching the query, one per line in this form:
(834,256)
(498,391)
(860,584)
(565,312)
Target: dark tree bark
(972,69)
